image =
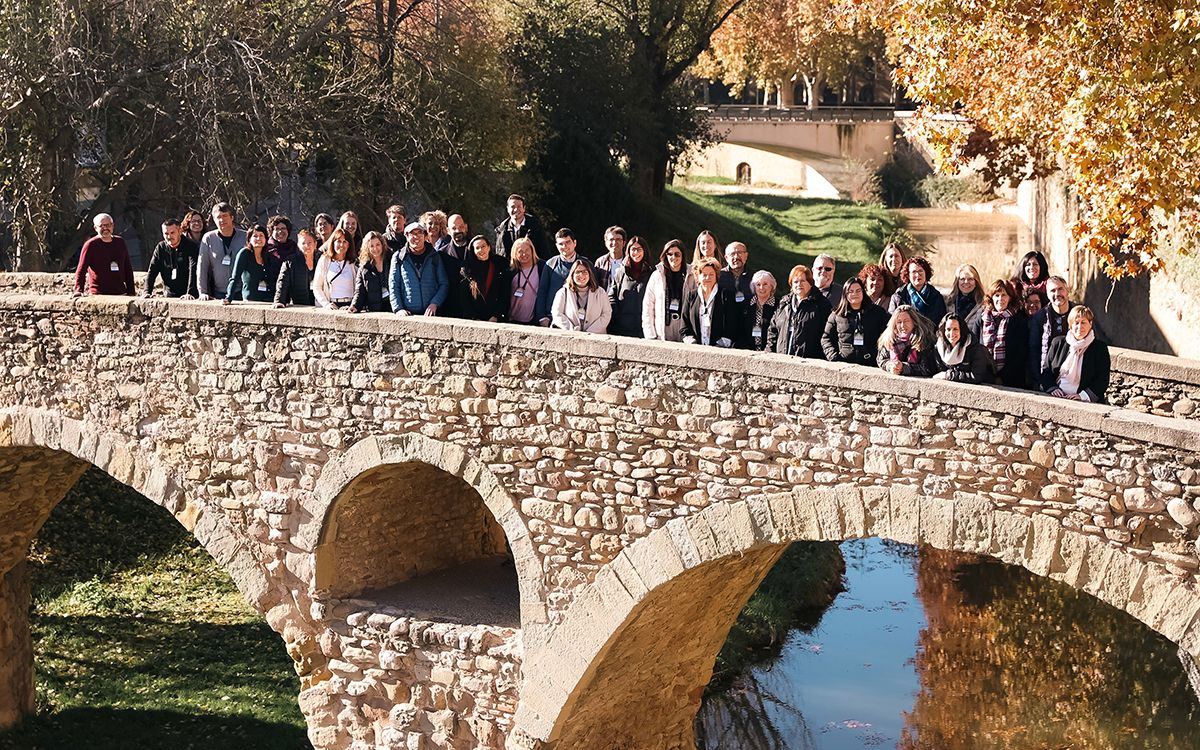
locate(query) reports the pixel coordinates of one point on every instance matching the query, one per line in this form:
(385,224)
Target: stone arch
(622,639)
(42,455)
(483,516)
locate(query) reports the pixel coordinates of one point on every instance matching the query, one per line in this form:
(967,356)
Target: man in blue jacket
(418,279)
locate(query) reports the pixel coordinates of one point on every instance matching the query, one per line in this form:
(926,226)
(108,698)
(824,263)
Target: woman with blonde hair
(1078,365)
(706,247)
(333,281)
(966,298)
(527,272)
(371,280)
(895,266)
(581,305)
(907,344)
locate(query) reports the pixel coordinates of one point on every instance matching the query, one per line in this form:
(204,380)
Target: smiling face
(224,221)
(581,276)
(800,286)
(308,244)
(516,210)
(1000,300)
(1033,269)
(196,224)
(458,229)
(675,258)
(323,226)
(1057,292)
(375,248)
(481,248)
(395,221)
(707,278)
(614,243)
(637,253)
(903,326)
(279,233)
(893,259)
(707,246)
(874,284)
(256,239)
(566,246)
(764,289)
(854,296)
(735,257)
(916,276)
(416,239)
(341,246)
(523,252)
(952,331)
(966,282)
(1081,327)
(823,273)
(1033,303)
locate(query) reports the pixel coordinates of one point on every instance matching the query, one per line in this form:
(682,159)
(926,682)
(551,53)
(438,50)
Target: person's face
(224,222)
(324,227)
(1057,292)
(172,235)
(279,232)
(904,324)
(675,258)
(458,229)
(614,243)
(396,222)
(735,257)
(708,246)
(565,245)
(637,253)
(800,286)
(308,244)
(966,282)
(581,276)
(340,246)
(1081,327)
(1000,300)
(1033,269)
(196,225)
(708,278)
(482,249)
(823,273)
(892,259)
(854,296)
(1033,303)
(953,332)
(763,289)
(350,223)
(524,253)
(257,240)
(874,284)
(916,276)
(375,248)
(516,210)
(416,240)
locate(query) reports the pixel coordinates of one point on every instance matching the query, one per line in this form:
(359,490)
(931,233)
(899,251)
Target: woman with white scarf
(959,357)
(1077,365)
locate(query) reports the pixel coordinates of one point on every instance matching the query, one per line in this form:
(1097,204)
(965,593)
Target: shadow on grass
(116,728)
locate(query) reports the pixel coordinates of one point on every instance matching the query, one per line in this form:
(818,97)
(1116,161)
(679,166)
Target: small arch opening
(743,174)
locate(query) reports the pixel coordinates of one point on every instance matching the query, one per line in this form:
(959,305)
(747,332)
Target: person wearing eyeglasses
(218,248)
(823,268)
(665,292)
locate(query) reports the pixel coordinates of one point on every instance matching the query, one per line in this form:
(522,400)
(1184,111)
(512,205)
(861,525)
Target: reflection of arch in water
(647,630)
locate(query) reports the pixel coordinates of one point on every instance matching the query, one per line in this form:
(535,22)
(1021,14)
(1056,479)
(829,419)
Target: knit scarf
(1072,367)
(923,299)
(952,355)
(964,304)
(903,350)
(994,335)
(1056,325)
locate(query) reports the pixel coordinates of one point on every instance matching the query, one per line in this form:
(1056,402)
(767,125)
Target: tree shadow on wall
(120,729)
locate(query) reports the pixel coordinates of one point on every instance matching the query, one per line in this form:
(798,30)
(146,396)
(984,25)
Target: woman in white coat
(662,307)
(581,305)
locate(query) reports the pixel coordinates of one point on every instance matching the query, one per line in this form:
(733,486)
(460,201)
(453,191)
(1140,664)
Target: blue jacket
(415,292)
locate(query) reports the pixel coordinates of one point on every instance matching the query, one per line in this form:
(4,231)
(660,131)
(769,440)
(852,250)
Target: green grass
(706,179)
(141,640)
(779,231)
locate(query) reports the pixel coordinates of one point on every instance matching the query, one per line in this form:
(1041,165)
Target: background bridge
(359,477)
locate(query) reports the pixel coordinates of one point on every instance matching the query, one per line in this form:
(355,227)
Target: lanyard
(523,279)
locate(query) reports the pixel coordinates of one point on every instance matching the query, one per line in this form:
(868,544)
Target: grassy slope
(779,231)
(140,639)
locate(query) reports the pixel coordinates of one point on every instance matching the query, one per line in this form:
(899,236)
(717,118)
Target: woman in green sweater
(249,281)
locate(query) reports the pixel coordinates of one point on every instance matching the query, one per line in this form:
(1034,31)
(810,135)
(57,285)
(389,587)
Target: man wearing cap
(418,278)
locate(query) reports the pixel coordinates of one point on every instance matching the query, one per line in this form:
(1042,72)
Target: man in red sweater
(104,262)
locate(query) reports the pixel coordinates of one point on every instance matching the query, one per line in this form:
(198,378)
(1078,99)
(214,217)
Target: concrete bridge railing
(360,476)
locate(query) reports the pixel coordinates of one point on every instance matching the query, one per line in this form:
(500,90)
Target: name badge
(386,294)
(739,297)
(174,274)
(225,261)
(582,315)
(674,307)
(519,294)
(114,266)
(756,332)
(859,340)
(262,286)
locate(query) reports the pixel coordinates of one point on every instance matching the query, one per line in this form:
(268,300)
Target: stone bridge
(480,536)
(824,153)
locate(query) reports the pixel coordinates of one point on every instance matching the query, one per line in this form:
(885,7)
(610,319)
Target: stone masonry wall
(596,442)
(16,650)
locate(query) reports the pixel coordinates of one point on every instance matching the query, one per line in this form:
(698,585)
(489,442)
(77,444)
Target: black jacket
(626,295)
(976,366)
(924,367)
(1037,325)
(370,284)
(531,228)
(840,332)
(294,286)
(750,322)
(493,297)
(799,333)
(1094,371)
(724,317)
(176,267)
(1016,351)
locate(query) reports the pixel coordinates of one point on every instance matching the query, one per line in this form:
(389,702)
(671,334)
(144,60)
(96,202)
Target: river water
(992,242)
(928,650)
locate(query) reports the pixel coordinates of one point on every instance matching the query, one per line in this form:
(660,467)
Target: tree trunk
(812,88)
(787,93)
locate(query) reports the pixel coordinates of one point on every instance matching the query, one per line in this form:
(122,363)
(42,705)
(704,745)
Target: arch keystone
(904,515)
(936,521)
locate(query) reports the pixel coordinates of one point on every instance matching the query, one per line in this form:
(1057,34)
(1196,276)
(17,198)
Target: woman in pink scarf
(1004,332)
(1077,365)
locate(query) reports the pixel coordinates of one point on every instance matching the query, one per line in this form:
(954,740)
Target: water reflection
(940,651)
(991,242)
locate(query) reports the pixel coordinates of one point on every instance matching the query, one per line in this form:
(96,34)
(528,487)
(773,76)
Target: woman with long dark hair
(959,357)
(663,303)
(1004,332)
(371,278)
(853,329)
(249,280)
(627,290)
(483,291)
(1032,272)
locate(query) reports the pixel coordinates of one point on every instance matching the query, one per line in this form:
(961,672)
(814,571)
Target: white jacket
(564,313)
(654,306)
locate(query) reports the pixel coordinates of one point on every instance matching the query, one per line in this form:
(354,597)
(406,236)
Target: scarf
(964,304)
(994,335)
(1055,325)
(903,351)
(923,299)
(1072,367)
(952,355)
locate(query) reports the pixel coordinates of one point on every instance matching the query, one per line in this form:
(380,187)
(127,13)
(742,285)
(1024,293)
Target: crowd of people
(1021,332)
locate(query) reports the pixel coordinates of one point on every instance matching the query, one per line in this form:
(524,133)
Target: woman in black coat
(906,346)
(799,321)
(484,284)
(1004,332)
(710,316)
(958,356)
(853,329)
(1078,365)
(628,289)
(371,278)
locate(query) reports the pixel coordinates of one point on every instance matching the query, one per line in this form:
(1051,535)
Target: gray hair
(99,218)
(763,276)
(825,256)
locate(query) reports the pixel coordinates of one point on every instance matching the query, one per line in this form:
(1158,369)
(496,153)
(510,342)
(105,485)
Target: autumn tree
(1106,91)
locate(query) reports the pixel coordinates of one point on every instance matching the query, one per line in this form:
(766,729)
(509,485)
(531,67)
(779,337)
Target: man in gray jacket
(218,248)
